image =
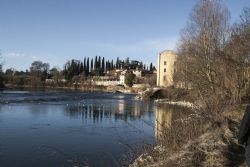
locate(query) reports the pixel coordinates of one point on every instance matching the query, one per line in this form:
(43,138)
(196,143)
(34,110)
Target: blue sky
(55,31)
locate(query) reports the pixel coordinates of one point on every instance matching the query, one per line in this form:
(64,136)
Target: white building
(137,73)
(122,79)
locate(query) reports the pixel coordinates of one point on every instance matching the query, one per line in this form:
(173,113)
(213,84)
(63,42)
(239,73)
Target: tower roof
(168,51)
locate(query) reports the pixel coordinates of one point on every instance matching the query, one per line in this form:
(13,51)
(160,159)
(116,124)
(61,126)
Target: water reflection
(96,112)
(38,110)
(81,125)
(163,119)
(166,116)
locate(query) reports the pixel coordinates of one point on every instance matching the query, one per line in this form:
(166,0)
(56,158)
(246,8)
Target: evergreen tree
(112,65)
(95,63)
(84,65)
(117,64)
(151,67)
(107,65)
(81,68)
(103,64)
(87,66)
(99,62)
(91,65)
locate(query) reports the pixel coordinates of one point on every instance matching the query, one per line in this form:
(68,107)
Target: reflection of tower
(163,120)
(121,107)
(137,109)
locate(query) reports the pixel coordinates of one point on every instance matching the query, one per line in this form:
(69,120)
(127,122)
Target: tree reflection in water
(121,110)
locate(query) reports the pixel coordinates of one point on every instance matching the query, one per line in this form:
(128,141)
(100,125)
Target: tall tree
(236,65)
(81,68)
(87,66)
(84,65)
(91,65)
(151,67)
(112,65)
(99,62)
(95,63)
(103,64)
(117,64)
(107,66)
(201,42)
(71,69)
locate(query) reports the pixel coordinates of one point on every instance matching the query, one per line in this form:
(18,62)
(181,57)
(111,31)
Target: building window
(165,70)
(164,78)
(165,63)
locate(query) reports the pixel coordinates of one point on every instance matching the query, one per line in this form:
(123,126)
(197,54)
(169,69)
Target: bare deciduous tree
(202,41)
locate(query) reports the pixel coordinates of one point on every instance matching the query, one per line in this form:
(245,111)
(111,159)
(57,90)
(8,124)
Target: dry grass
(198,139)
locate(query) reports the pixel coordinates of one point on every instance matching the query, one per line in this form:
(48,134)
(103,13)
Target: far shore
(93,88)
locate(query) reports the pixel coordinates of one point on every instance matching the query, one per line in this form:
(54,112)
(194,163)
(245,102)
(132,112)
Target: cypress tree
(95,63)
(87,66)
(99,62)
(107,65)
(84,65)
(117,64)
(103,64)
(91,65)
(112,65)
(81,68)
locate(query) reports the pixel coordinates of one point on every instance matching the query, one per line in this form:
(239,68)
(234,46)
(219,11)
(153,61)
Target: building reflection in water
(120,110)
(163,120)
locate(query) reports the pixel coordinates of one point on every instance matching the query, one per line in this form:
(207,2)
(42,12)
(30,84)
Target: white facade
(122,80)
(137,73)
(107,83)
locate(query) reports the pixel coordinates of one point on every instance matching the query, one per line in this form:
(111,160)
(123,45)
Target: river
(66,128)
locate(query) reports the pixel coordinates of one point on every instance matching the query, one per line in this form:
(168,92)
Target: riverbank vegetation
(213,64)
(79,74)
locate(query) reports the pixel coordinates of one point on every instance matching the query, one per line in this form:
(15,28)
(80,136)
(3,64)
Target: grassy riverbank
(197,138)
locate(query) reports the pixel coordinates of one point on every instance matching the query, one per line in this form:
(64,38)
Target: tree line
(72,71)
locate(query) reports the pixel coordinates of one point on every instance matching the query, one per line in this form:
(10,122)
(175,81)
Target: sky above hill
(55,31)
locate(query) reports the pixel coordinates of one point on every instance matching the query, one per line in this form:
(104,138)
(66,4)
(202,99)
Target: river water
(58,128)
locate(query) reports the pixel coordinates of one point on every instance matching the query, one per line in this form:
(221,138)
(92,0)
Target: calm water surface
(51,128)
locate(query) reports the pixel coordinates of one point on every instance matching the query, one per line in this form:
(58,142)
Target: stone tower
(166,67)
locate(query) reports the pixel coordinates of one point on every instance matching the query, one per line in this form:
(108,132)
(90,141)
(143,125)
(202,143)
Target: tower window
(164,78)
(165,63)
(165,70)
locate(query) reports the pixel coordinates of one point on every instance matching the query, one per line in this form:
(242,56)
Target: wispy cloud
(14,54)
(148,45)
